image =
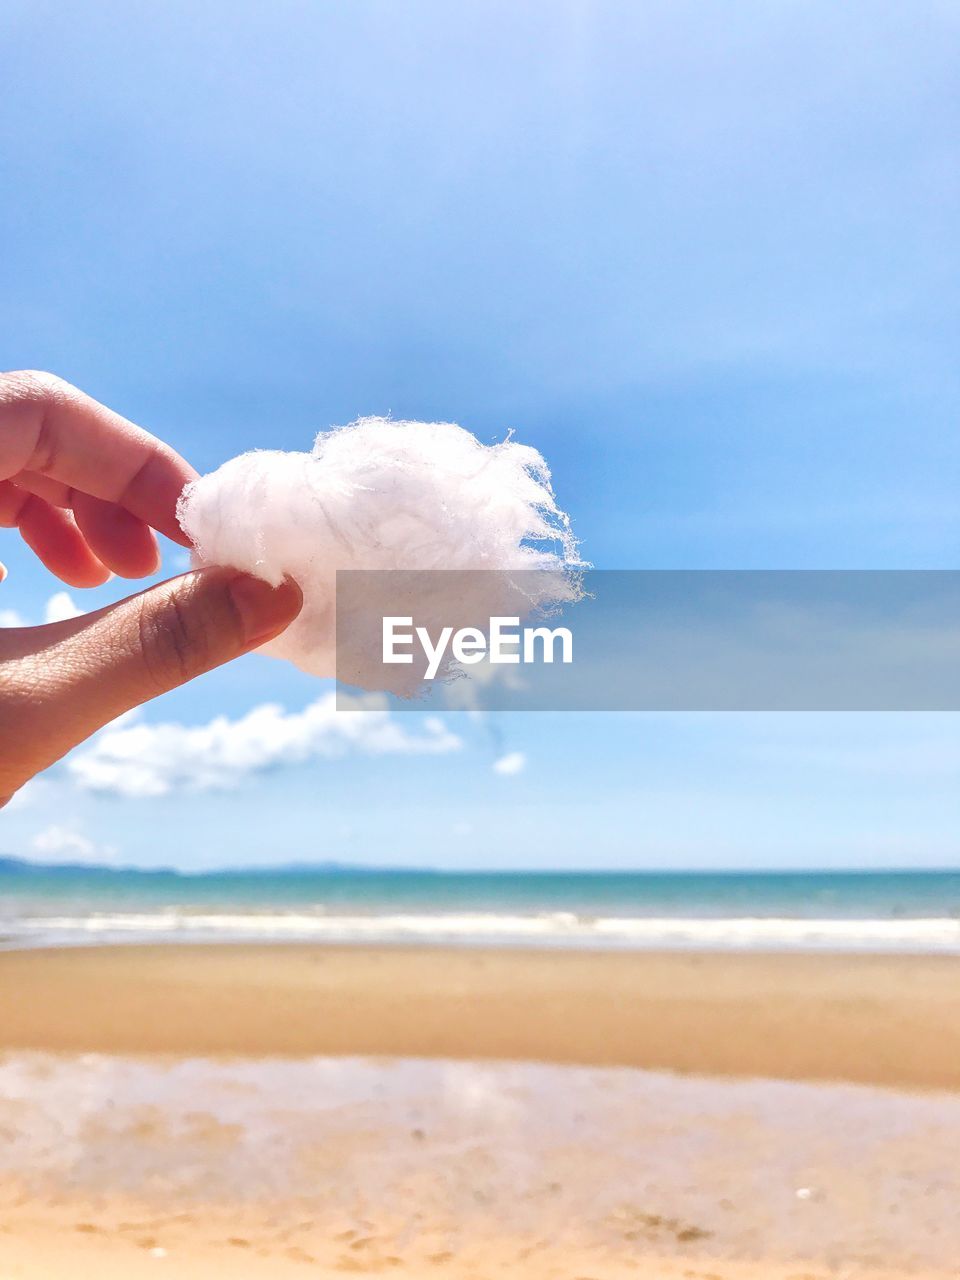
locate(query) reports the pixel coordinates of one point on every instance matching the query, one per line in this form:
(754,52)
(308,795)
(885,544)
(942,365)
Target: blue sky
(705,258)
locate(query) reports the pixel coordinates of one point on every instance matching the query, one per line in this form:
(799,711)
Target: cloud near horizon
(147,760)
(62,843)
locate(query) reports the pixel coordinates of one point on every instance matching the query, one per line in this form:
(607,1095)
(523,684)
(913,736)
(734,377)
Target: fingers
(11,504)
(118,541)
(55,431)
(52,491)
(124,543)
(53,535)
(78,454)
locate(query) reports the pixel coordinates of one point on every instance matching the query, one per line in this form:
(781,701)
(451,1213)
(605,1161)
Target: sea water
(850,911)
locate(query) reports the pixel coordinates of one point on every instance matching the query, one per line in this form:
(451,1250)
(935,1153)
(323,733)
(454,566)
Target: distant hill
(25,866)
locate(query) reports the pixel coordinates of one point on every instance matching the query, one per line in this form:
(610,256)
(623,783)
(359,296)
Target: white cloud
(511,764)
(156,759)
(61,843)
(60,608)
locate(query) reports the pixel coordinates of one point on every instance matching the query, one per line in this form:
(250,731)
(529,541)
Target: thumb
(171,633)
(84,672)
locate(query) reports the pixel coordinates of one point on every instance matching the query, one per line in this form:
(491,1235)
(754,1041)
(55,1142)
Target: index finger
(52,429)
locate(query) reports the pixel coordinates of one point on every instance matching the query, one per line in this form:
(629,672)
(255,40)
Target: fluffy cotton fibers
(384,495)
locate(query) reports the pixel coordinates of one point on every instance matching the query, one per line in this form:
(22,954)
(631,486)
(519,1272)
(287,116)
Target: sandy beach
(886,1020)
(280,1111)
(115,1166)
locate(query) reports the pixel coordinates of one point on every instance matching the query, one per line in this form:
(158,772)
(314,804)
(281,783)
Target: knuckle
(174,642)
(181,635)
(31,386)
(31,394)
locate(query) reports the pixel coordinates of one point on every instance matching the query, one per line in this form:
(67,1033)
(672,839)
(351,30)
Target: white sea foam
(555,928)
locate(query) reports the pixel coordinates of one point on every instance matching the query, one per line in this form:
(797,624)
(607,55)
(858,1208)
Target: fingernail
(264,610)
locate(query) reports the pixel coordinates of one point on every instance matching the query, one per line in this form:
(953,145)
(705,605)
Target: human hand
(86,488)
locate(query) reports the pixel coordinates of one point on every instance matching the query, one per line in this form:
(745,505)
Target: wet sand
(115,1167)
(888,1020)
(164,1110)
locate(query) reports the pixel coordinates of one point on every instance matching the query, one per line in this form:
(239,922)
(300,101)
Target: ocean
(906,911)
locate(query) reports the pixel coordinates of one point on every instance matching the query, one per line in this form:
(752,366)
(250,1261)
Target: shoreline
(889,1020)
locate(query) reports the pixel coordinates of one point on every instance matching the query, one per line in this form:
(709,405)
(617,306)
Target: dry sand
(891,1020)
(280,1163)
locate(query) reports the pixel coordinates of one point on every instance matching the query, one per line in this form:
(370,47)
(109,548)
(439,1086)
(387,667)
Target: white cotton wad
(382,495)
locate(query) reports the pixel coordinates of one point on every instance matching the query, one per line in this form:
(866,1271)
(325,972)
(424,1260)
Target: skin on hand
(86,488)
